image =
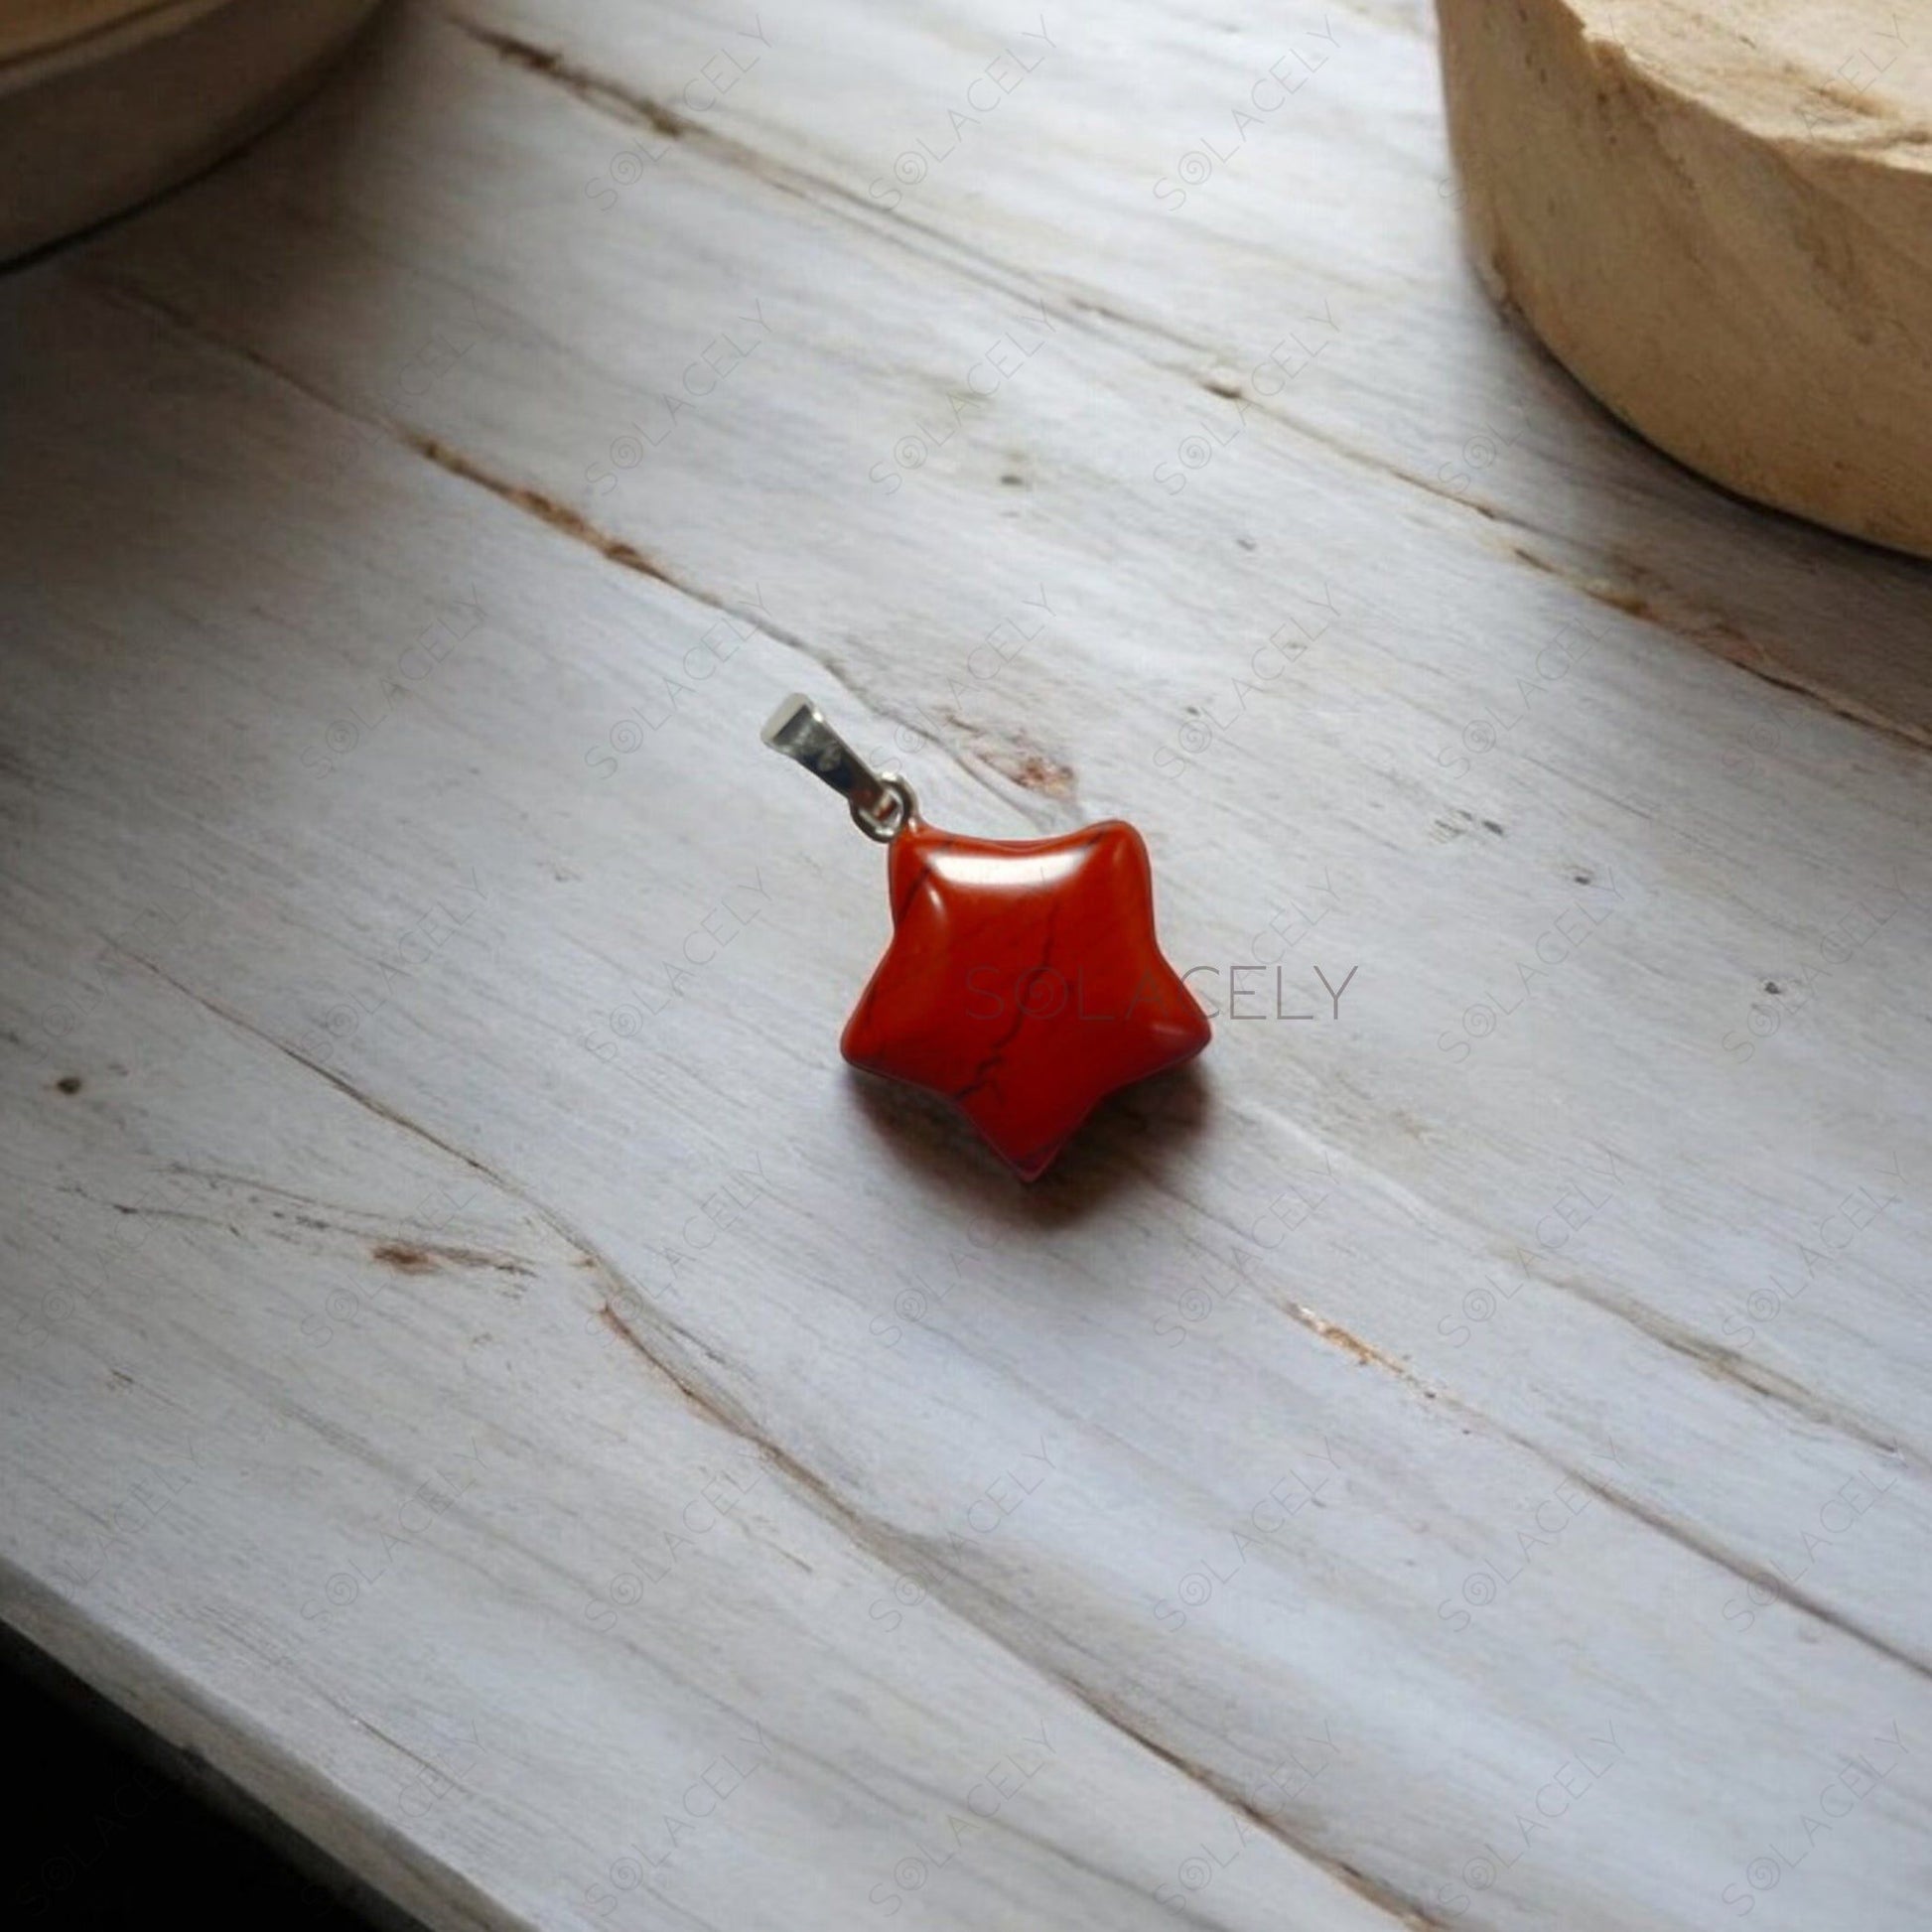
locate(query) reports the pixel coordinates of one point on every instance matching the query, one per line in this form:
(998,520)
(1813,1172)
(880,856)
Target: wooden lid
(1718,216)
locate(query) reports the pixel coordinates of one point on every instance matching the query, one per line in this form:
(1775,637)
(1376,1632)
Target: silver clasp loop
(881,802)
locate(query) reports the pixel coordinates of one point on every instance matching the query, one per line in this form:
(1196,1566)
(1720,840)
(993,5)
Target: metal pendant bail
(881,802)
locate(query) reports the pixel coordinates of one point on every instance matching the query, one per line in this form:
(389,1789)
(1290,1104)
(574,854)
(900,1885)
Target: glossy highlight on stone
(1024,982)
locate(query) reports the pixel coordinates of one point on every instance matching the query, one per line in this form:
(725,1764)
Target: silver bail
(880,801)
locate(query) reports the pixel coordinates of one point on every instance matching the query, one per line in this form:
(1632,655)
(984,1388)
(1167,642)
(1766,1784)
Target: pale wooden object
(459,1197)
(1720,217)
(105,103)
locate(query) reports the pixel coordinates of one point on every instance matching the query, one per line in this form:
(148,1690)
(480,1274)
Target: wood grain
(484,1377)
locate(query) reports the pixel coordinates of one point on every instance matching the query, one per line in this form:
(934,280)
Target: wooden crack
(873,1538)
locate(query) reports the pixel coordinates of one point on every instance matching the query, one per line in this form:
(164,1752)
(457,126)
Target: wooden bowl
(105,103)
(1719,215)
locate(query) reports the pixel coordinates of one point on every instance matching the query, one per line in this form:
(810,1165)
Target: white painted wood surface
(479,1372)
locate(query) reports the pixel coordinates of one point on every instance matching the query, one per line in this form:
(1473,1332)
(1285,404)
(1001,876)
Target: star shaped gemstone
(1024,982)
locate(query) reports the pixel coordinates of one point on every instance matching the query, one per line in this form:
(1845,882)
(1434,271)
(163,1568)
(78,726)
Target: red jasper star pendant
(1023,981)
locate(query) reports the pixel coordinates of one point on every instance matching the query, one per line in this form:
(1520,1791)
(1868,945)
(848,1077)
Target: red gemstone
(1024,982)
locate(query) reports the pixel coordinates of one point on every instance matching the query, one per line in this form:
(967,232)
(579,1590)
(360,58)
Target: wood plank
(1208,222)
(373,869)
